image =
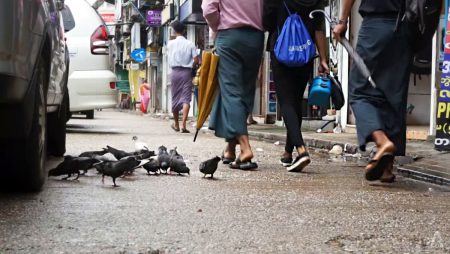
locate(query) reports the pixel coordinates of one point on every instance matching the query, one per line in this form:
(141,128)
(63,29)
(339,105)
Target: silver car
(33,90)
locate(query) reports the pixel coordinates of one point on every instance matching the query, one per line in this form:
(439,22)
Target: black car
(34,100)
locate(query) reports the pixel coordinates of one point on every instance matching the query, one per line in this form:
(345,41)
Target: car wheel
(90,114)
(31,176)
(57,128)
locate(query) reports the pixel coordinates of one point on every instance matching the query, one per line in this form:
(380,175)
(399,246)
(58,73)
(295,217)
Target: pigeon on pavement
(116,169)
(209,167)
(163,158)
(73,165)
(119,154)
(91,154)
(106,157)
(152,166)
(178,166)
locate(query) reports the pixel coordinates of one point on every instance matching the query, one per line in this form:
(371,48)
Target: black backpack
(423,16)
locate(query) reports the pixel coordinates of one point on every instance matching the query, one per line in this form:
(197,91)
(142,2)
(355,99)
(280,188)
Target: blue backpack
(294,46)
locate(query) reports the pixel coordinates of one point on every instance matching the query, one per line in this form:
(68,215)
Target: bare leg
(176,119)
(186,108)
(246,150)
(230,149)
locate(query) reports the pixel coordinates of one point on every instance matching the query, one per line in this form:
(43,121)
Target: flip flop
(243,165)
(173,128)
(185,131)
(227,160)
(377,171)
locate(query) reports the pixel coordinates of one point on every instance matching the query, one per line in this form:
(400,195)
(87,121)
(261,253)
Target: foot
(229,154)
(300,163)
(286,159)
(387,148)
(246,155)
(175,128)
(184,130)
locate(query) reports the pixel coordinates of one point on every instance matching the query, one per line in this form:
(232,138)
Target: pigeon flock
(116,163)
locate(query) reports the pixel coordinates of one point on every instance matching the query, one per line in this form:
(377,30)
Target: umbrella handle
(333,22)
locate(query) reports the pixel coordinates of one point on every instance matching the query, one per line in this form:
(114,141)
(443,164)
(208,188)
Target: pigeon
(91,154)
(152,166)
(174,154)
(143,154)
(138,165)
(139,146)
(106,157)
(116,169)
(73,165)
(119,154)
(178,166)
(209,167)
(163,158)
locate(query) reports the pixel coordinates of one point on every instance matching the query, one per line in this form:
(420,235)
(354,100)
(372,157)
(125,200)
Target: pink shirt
(226,14)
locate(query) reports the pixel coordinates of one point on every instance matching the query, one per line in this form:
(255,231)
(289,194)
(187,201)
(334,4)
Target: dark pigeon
(119,154)
(175,155)
(178,166)
(209,167)
(152,166)
(116,169)
(73,165)
(163,158)
(91,154)
(143,154)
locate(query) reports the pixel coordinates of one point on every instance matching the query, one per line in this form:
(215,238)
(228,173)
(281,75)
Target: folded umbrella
(207,87)
(357,60)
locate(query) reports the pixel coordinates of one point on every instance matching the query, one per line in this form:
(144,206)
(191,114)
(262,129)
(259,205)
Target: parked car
(33,90)
(92,82)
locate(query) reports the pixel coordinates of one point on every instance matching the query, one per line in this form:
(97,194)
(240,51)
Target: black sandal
(227,160)
(377,171)
(243,165)
(174,128)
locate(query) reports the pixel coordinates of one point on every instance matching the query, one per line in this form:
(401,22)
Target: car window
(69,22)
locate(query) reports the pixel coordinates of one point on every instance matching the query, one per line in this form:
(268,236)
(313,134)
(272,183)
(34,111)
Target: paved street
(328,208)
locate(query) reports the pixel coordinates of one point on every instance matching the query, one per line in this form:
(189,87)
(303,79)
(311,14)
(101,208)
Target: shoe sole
(284,164)
(299,165)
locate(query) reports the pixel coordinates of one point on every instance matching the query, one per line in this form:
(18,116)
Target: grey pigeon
(106,157)
(152,166)
(209,167)
(119,154)
(175,155)
(163,158)
(178,166)
(116,169)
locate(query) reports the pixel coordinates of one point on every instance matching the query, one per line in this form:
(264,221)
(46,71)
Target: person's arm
(321,43)
(211,13)
(341,27)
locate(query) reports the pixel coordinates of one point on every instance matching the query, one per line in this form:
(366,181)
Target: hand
(339,30)
(323,67)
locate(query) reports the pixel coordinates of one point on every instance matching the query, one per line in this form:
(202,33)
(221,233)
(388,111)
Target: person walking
(183,56)
(239,44)
(384,43)
(290,82)
(144,93)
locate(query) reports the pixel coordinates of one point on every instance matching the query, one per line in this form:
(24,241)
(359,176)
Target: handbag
(337,95)
(294,46)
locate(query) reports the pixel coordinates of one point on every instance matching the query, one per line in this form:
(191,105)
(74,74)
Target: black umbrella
(357,60)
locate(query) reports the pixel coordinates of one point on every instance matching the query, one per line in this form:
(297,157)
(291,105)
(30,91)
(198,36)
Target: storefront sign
(442,141)
(109,18)
(154,18)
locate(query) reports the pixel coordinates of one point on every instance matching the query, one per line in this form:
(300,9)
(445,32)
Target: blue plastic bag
(294,46)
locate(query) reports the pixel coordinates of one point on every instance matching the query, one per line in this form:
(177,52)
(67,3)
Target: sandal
(174,128)
(379,166)
(185,131)
(227,160)
(243,165)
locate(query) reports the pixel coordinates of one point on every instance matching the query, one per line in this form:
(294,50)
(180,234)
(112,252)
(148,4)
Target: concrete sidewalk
(422,161)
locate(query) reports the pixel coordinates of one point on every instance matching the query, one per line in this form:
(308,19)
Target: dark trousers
(240,52)
(388,55)
(290,84)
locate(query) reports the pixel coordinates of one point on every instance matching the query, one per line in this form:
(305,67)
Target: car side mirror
(60,5)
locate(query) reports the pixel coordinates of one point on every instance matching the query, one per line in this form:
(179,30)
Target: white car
(92,83)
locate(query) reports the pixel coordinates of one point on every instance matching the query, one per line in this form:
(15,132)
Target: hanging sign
(442,141)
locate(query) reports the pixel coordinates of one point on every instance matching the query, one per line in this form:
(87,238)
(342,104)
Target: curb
(424,177)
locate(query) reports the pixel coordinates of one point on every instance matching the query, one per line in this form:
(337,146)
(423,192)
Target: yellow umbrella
(207,87)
